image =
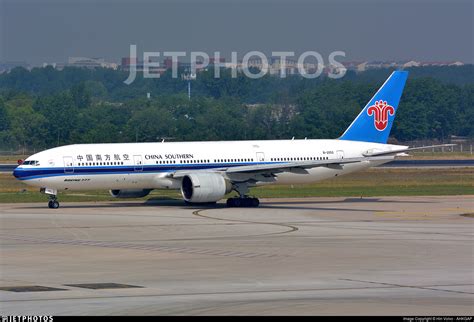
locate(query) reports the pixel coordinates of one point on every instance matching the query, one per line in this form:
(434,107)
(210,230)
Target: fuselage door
(68,165)
(138,162)
(340,154)
(260,156)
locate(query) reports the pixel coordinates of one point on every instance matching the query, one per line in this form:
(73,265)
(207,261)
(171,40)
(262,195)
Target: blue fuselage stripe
(36,173)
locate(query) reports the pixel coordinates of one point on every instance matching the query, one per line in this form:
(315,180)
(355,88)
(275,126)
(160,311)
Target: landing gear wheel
(237,202)
(53,203)
(255,202)
(230,202)
(243,202)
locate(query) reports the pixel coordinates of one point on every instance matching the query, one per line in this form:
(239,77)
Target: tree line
(44,107)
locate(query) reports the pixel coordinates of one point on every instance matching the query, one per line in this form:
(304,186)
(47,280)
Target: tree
(4,121)
(80,96)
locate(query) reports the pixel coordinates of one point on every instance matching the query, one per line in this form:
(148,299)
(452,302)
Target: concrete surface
(313,256)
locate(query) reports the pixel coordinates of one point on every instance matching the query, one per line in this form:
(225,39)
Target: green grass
(372,182)
(89,196)
(12,158)
(364,191)
(383,182)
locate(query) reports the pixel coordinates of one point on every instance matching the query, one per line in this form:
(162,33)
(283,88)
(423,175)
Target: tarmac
(314,256)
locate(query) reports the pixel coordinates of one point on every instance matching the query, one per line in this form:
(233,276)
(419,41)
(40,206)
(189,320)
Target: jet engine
(204,187)
(130,193)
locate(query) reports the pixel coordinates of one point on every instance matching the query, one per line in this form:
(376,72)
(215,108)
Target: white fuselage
(147,165)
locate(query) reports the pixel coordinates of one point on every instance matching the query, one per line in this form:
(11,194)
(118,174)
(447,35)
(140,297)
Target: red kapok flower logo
(380,110)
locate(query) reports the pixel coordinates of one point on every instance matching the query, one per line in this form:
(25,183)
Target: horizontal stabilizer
(373,154)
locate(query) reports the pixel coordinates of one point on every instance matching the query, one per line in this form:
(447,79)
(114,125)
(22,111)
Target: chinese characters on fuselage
(126,157)
(102,157)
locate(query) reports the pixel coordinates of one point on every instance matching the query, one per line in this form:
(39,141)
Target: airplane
(206,171)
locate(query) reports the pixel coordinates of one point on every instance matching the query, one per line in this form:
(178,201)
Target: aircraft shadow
(273,204)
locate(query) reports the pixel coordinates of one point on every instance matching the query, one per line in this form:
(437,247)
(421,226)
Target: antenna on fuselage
(164,138)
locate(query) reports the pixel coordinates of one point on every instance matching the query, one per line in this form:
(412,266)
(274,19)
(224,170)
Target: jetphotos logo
(380,110)
(253,64)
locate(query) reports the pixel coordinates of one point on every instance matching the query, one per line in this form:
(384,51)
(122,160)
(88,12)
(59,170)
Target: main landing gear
(243,200)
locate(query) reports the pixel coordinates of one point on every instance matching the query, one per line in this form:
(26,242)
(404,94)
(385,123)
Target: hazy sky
(40,31)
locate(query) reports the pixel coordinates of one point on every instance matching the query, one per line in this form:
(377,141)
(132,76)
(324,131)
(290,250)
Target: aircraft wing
(290,166)
(293,166)
(373,154)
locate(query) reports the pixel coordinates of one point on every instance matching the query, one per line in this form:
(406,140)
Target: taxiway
(311,256)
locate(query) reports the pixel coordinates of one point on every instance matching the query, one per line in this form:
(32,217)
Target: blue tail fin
(375,121)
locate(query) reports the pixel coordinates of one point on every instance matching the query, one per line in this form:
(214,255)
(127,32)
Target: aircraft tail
(374,122)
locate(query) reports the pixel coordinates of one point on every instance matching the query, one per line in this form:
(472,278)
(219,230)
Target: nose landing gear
(52,195)
(53,202)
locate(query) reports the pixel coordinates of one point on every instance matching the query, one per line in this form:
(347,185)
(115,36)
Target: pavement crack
(429,287)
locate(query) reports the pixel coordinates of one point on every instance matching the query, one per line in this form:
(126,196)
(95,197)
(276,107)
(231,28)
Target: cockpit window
(31,162)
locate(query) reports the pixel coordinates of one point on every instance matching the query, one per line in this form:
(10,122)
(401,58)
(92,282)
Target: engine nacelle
(129,193)
(204,187)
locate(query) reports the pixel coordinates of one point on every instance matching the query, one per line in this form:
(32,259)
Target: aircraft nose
(17,172)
